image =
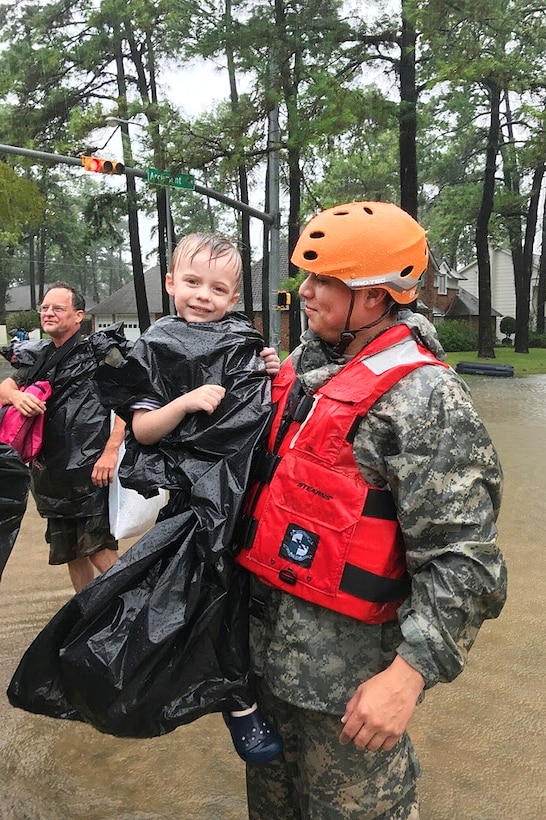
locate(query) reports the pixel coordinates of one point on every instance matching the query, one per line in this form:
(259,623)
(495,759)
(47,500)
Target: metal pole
(28,152)
(141,297)
(274,233)
(169,227)
(137,172)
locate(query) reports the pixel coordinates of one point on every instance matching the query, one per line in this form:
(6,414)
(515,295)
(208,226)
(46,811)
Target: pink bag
(20,432)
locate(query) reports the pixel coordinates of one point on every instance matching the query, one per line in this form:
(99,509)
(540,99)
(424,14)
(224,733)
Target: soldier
(370,532)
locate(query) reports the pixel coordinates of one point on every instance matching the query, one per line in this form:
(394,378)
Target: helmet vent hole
(310,255)
(317,235)
(341,213)
(406,271)
(367,210)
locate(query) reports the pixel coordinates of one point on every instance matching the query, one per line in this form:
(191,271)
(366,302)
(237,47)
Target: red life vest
(312,525)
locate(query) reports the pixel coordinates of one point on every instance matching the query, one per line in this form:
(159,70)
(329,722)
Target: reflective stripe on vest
(312,526)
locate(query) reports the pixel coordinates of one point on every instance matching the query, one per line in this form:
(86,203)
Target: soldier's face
(327,305)
(327,302)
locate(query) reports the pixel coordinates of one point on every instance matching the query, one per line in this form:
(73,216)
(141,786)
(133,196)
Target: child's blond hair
(217,246)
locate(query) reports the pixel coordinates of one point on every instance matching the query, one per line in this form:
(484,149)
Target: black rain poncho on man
(161,638)
(14,481)
(77,425)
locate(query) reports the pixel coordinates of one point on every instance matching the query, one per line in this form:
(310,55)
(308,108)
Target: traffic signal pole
(269,219)
(272,220)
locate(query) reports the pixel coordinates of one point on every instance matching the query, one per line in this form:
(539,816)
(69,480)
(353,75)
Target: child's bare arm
(150,426)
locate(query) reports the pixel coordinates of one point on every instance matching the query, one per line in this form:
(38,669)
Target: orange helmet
(366,244)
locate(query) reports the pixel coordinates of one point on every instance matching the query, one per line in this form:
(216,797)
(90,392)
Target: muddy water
(481,740)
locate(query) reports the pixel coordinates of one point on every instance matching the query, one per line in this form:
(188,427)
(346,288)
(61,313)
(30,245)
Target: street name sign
(174,181)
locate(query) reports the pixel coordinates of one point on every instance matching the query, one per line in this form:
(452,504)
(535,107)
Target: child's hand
(271,361)
(207,398)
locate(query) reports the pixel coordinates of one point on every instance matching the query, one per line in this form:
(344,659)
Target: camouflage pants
(318,779)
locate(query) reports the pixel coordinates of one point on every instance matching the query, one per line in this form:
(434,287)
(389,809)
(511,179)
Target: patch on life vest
(405,352)
(299,545)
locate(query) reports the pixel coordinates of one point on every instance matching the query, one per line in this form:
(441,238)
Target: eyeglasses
(54,308)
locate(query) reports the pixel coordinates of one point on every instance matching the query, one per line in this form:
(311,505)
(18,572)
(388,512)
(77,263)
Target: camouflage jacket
(424,440)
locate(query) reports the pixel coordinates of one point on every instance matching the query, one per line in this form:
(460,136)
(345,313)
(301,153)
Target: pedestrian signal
(97,165)
(283,299)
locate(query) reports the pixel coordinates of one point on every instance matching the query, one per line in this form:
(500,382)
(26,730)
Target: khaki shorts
(71,538)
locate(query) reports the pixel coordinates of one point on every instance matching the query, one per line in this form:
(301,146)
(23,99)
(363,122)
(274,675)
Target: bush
(537,339)
(27,320)
(455,334)
(507,325)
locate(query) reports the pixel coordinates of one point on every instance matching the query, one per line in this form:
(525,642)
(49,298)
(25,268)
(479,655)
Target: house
(503,292)
(440,287)
(18,298)
(442,298)
(121,305)
(466,306)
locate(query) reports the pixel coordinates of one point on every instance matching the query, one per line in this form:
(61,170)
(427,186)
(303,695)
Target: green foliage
(537,339)
(361,168)
(292,284)
(457,335)
(334,69)
(26,319)
(21,206)
(507,325)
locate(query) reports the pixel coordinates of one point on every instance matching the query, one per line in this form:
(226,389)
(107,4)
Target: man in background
(70,478)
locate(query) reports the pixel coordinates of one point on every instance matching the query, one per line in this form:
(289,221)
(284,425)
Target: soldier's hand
(378,713)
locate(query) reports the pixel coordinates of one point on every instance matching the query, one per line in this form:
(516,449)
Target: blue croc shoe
(255,740)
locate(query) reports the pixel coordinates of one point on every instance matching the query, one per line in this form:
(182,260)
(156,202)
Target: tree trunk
(242,173)
(141,298)
(32,271)
(94,279)
(541,292)
(522,250)
(486,345)
(408,117)
(42,242)
(289,83)
(521,342)
(3,296)
(147,89)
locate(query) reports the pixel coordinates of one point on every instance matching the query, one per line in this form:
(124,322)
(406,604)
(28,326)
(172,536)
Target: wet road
(481,740)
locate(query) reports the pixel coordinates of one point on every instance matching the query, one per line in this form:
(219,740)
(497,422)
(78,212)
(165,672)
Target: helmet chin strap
(347,336)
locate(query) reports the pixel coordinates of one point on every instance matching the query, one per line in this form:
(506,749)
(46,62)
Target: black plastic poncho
(161,638)
(77,425)
(14,482)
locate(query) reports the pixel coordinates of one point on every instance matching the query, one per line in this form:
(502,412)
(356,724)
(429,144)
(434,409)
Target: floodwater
(481,740)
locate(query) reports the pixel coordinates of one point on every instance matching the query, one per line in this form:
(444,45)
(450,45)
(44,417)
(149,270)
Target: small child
(204,283)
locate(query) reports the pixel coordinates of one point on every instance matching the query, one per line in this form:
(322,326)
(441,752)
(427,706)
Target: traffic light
(102,166)
(283,299)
